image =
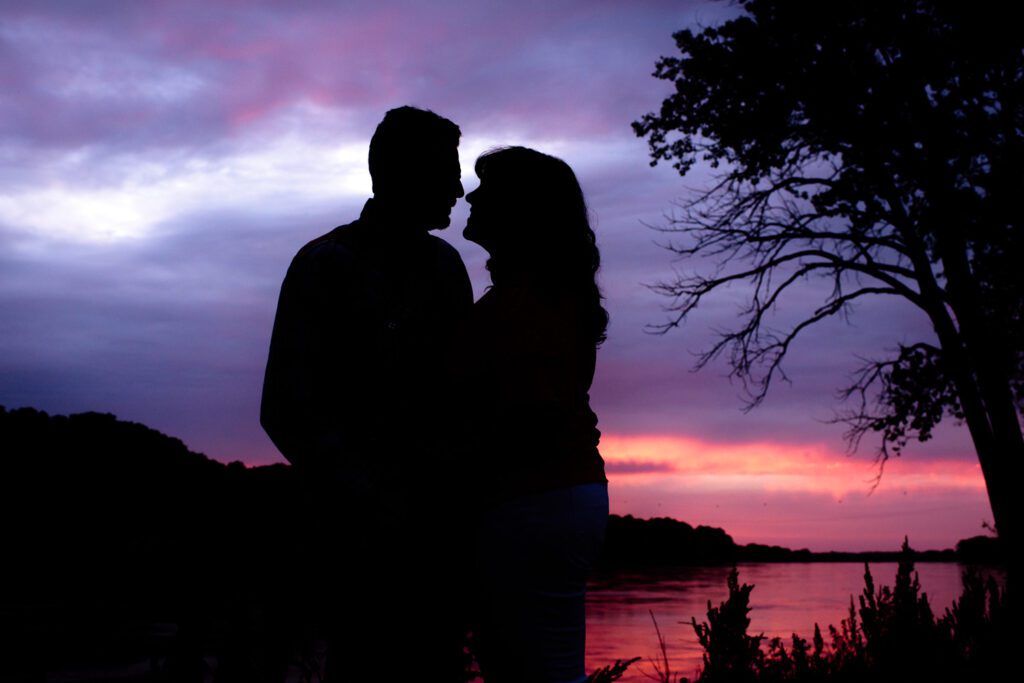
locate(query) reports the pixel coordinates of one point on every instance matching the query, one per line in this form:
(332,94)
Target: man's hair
(407,131)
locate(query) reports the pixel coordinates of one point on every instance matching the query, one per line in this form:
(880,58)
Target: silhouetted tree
(878,147)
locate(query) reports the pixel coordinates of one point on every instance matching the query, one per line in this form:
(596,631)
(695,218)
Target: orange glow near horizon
(774,467)
(798,495)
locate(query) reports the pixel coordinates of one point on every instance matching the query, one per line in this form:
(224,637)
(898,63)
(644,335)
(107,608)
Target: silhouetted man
(351,399)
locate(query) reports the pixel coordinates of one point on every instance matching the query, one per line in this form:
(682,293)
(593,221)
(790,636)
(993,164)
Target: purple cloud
(620,467)
(163,161)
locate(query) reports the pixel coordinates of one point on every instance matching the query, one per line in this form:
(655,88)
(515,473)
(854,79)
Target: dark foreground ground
(130,558)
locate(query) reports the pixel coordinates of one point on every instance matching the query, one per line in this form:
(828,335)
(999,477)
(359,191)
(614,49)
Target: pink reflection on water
(787,599)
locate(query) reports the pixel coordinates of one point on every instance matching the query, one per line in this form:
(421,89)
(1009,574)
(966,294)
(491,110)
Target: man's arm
(282,383)
(293,412)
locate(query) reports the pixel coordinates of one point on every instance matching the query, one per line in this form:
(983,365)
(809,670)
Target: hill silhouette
(98,490)
(120,539)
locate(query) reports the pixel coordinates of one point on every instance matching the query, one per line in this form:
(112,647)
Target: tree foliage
(876,149)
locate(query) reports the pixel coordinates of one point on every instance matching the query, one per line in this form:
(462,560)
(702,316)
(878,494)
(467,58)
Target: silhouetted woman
(527,364)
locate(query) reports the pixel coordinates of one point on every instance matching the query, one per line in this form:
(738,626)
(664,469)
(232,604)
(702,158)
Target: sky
(161,163)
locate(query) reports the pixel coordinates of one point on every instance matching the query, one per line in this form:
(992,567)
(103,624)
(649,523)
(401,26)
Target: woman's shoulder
(531,315)
(518,300)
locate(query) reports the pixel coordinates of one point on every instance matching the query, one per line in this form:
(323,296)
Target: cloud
(797,494)
(144,192)
(161,162)
(190,73)
(618,467)
(780,466)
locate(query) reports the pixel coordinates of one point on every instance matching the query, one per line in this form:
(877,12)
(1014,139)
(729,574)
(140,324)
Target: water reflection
(787,599)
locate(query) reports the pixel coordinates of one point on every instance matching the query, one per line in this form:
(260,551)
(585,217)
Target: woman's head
(530,215)
(528,204)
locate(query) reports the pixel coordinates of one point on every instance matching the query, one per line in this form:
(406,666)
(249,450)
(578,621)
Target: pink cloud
(619,467)
(798,495)
(555,70)
(779,467)
(168,84)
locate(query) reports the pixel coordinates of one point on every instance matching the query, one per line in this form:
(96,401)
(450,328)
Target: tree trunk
(981,363)
(997,443)
(985,399)
(995,455)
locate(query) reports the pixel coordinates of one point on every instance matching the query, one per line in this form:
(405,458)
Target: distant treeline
(663,542)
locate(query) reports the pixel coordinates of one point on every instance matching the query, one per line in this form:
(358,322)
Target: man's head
(414,164)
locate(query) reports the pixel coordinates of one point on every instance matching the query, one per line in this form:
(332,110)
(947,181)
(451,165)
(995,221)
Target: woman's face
(489,216)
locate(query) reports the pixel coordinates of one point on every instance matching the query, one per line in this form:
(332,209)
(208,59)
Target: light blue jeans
(533,556)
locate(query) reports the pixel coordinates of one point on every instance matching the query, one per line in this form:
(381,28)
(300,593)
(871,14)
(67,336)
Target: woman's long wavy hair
(551,237)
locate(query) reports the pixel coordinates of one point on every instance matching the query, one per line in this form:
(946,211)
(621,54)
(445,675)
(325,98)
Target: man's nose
(460,191)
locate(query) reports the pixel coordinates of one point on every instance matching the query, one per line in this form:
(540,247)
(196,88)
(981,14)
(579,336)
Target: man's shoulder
(338,244)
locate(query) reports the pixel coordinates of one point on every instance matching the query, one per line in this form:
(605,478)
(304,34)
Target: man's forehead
(435,155)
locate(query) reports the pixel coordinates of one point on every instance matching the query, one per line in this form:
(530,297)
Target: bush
(893,636)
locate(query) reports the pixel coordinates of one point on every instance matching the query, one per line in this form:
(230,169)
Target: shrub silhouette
(893,636)
(729,653)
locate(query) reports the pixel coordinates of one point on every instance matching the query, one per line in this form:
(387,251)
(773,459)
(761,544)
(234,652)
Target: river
(787,598)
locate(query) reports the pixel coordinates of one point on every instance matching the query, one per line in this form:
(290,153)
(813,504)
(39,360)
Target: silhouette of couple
(448,449)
